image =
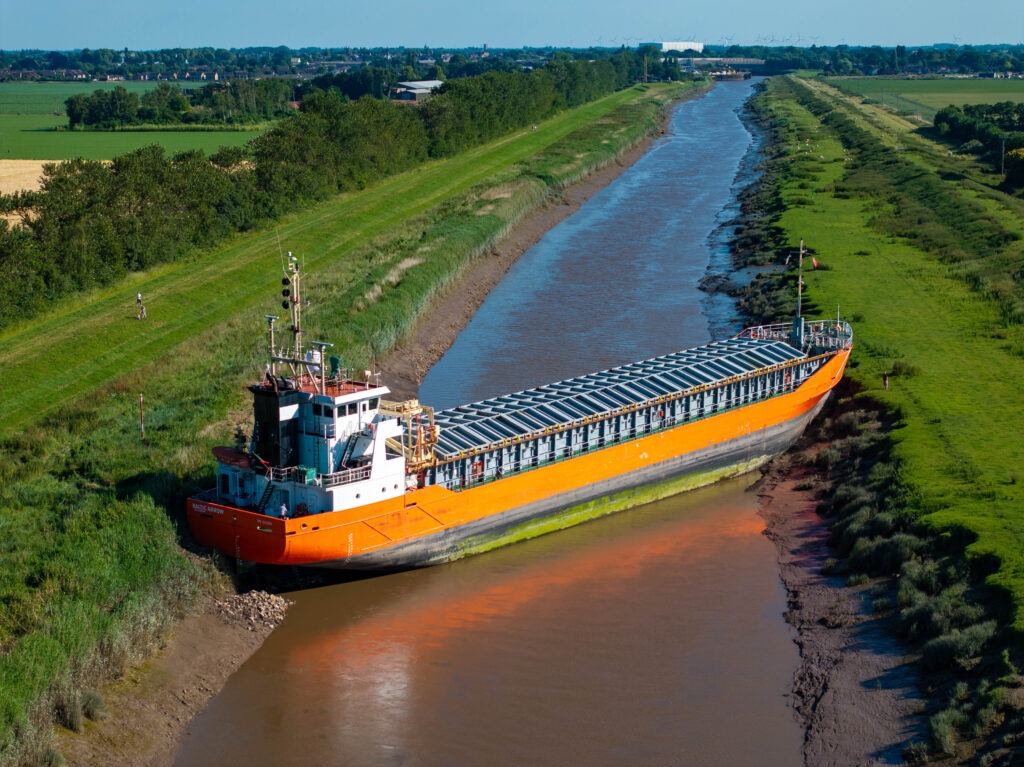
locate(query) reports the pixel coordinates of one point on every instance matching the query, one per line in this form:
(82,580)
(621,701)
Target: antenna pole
(800,283)
(273,363)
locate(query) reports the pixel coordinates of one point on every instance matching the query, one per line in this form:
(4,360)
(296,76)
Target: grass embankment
(924,257)
(88,527)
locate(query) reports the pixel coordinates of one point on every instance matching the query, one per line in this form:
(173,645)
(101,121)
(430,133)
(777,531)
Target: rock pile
(255,609)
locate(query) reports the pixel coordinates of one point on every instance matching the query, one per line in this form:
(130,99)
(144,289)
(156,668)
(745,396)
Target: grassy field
(96,335)
(925,97)
(19,97)
(35,137)
(31,114)
(961,443)
(88,508)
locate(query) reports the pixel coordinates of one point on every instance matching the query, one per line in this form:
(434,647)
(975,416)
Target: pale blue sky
(153,24)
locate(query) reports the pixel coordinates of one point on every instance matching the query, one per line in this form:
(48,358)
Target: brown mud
(855,691)
(152,704)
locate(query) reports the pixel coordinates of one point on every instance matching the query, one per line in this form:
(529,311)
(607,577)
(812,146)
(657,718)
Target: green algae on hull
(603,506)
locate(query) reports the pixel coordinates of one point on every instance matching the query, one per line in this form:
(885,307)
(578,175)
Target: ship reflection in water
(580,648)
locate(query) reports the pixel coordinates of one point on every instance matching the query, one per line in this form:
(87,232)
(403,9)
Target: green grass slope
(929,304)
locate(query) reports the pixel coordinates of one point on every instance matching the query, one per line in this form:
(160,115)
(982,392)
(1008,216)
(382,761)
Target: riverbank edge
(151,707)
(856,691)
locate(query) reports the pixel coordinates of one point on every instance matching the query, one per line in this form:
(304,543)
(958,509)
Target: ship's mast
(313,362)
(798,321)
(291,295)
(291,292)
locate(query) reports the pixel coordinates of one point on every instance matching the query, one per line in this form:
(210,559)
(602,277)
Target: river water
(654,636)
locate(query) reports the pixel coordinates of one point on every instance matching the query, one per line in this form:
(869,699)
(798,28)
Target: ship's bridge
(309,421)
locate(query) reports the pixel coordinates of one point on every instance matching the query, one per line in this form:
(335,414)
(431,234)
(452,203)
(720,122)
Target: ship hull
(678,474)
(433,524)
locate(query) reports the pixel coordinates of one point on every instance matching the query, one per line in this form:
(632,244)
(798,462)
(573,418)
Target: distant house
(415,90)
(678,46)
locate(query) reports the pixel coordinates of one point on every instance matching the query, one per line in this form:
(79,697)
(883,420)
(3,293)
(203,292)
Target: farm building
(415,90)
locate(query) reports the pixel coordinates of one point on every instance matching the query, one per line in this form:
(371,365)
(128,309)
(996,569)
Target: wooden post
(142,418)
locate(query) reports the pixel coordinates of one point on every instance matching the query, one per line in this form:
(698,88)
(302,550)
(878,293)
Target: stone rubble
(253,609)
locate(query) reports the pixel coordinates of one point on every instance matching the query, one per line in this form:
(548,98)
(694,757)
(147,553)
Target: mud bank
(855,691)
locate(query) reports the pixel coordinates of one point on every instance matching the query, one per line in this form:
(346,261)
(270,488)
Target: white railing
(346,477)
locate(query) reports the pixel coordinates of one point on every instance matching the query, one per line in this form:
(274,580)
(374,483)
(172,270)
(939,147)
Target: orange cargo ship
(335,475)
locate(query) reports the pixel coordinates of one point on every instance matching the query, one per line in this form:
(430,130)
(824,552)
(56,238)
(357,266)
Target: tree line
(93,222)
(993,129)
(233,102)
(403,63)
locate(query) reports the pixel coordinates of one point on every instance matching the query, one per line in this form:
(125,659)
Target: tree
(164,104)
(76,106)
(1015,167)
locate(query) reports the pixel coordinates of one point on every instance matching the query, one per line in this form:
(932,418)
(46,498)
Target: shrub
(93,706)
(827,457)
(916,752)
(942,729)
(68,709)
(884,556)
(957,646)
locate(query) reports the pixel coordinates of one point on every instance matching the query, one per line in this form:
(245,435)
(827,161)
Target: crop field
(31,115)
(35,137)
(35,98)
(926,97)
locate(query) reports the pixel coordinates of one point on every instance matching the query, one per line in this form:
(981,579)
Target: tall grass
(92,513)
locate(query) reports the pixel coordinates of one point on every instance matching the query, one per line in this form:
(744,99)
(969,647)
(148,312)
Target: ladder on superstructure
(265,498)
